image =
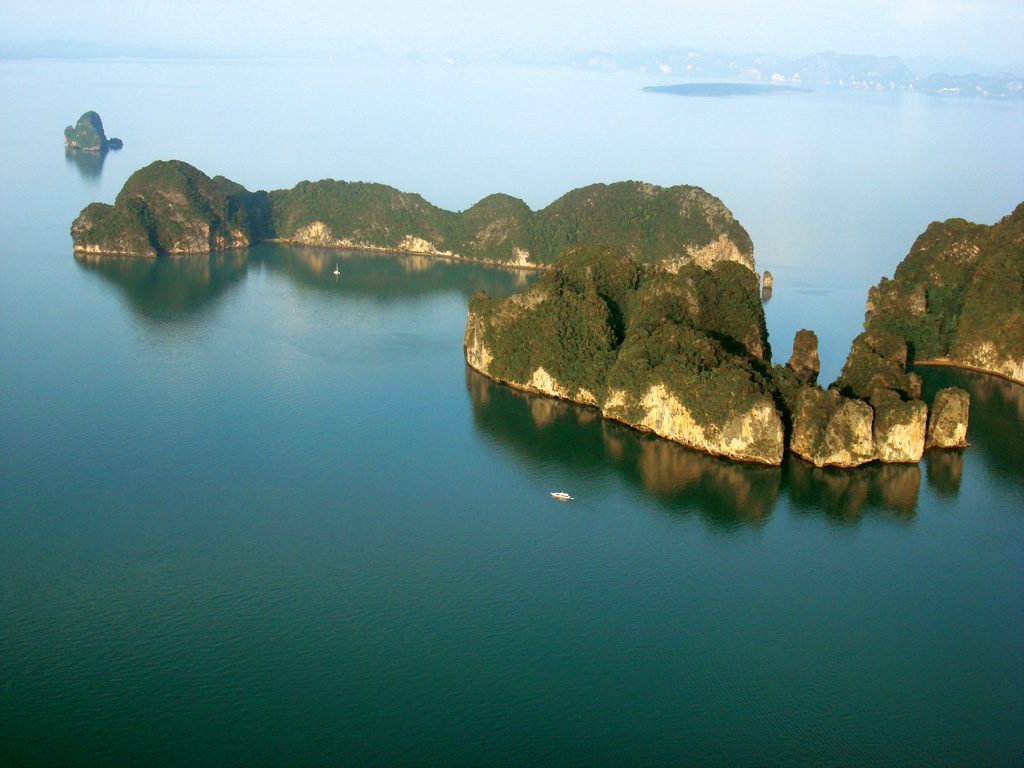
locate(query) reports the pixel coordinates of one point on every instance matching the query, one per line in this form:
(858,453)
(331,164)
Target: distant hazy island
(827,70)
(87,135)
(724,89)
(649,308)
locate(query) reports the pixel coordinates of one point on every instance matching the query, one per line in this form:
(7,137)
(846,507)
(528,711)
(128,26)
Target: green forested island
(649,308)
(87,135)
(171,207)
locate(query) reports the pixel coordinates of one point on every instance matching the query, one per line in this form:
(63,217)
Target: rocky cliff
(168,207)
(681,352)
(958,296)
(873,411)
(87,134)
(675,226)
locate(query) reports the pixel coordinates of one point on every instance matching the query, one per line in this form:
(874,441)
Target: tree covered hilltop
(170,207)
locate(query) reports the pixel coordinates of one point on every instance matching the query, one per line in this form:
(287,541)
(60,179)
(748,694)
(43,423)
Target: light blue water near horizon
(252,514)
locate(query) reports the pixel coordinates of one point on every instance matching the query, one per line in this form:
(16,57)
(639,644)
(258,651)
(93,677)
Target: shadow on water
(539,428)
(846,495)
(177,287)
(89,164)
(170,288)
(724,493)
(387,277)
(944,469)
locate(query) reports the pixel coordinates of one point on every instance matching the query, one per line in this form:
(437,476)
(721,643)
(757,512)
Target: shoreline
(950,363)
(405,252)
(80,252)
(519,387)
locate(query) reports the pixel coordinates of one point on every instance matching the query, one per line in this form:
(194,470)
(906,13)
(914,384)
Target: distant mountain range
(822,70)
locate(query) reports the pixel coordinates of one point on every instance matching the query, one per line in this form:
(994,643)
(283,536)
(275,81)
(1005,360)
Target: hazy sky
(990,31)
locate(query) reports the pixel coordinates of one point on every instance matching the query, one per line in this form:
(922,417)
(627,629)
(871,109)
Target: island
(171,207)
(648,307)
(86,134)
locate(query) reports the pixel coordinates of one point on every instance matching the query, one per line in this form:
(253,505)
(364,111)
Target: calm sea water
(253,514)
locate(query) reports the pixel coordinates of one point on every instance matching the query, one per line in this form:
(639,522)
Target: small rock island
(648,308)
(87,135)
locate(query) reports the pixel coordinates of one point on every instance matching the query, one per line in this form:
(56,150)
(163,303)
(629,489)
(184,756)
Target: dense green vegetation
(647,222)
(359,211)
(877,361)
(601,321)
(86,134)
(958,291)
(650,224)
(170,207)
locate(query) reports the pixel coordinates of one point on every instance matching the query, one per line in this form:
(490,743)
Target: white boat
(561,496)
(336,270)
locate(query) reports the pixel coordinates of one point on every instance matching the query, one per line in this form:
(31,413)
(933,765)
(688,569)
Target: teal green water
(253,514)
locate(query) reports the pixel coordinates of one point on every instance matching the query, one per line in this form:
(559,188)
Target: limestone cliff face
(804,360)
(836,431)
(754,435)
(873,411)
(706,256)
(985,356)
(832,430)
(899,428)
(477,354)
(947,422)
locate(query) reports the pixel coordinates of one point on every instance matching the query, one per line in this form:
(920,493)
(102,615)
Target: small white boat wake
(561,496)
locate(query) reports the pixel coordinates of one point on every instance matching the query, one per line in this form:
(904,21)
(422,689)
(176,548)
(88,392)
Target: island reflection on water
(386,276)
(723,492)
(171,288)
(168,289)
(88,164)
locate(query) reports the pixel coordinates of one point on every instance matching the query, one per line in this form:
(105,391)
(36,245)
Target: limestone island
(87,135)
(648,307)
(171,207)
